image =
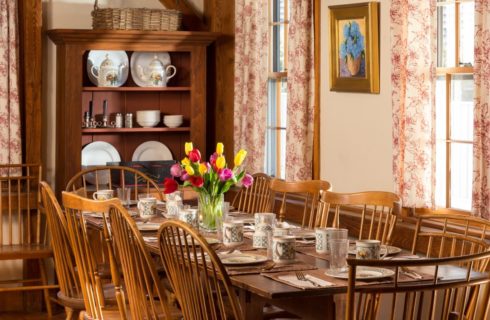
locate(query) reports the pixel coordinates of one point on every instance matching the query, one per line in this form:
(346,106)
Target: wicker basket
(135,19)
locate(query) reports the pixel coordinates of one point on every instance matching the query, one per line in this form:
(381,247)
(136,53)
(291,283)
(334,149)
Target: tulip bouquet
(209,179)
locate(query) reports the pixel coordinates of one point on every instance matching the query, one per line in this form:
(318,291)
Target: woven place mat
(311,251)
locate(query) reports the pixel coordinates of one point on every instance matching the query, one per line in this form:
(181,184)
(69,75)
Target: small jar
(129,120)
(119,120)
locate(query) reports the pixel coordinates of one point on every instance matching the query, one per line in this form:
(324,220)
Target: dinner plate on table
(98,153)
(241,259)
(391,250)
(118,58)
(152,151)
(364,273)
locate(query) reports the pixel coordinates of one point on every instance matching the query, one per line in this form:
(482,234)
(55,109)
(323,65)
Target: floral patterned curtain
(413,56)
(251,74)
(481,146)
(10,121)
(299,129)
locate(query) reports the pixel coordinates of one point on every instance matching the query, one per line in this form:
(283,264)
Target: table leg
(252,305)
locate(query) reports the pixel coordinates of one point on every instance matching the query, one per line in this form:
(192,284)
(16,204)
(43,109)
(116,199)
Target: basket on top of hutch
(185,94)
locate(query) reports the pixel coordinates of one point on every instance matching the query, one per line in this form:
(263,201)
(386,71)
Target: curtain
(10,121)
(251,74)
(413,57)
(300,104)
(481,146)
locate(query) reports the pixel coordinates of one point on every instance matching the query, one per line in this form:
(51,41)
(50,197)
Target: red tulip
(170,185)
(195,155)
(196,181)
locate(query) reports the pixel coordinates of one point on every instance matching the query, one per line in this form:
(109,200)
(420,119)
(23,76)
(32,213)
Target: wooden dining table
(256,288)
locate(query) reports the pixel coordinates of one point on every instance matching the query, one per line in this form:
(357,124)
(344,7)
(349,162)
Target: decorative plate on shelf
(152,151)
(143,59)
(98,153)
(120,62)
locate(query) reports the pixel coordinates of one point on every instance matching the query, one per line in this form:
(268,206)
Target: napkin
(293,280)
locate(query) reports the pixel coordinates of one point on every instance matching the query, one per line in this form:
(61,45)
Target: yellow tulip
(220,162)
(186,161)
(203,169)
(219,148)
(189,170)
(188,147)
(240,156)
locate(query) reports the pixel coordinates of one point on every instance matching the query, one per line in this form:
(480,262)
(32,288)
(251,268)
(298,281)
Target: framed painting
(354,47)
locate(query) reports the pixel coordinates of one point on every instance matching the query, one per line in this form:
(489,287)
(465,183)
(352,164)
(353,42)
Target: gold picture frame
(354,47)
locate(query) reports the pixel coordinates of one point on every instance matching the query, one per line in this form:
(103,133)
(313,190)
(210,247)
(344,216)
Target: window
(454,103)
(275,152)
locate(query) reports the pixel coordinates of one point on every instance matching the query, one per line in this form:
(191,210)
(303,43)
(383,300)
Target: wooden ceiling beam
(191,19)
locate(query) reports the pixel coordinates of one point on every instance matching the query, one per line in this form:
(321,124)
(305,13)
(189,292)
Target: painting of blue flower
(352,48)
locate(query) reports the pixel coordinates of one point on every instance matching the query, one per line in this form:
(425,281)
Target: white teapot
(156,74)
(108,74)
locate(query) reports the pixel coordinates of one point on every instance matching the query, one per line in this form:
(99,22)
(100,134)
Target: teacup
(369,249)
(283,249)
(232,232)
(146,207)
(190,216)
(105,194)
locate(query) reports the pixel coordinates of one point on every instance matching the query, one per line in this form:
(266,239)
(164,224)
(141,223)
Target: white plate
(241,258)
(95,58)
(364,273)
(98,153)
(152,151)
(143,59)
(391,250)
(149,226)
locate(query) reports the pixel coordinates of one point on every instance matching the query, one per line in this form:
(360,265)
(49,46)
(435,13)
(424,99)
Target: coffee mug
(146,207)
(321,240)
(103,194)
(260,239)
(369,249)
(174,207)
(190,216)
(283,249)
(232,232)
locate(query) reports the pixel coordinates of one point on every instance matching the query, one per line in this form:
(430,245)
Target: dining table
(263,284)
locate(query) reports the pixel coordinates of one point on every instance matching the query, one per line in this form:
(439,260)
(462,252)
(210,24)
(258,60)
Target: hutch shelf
(185,93)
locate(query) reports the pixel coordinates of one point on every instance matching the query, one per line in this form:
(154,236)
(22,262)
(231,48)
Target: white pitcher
(156,74)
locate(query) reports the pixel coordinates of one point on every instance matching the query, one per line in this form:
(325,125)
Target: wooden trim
(317,75)
(30,25)
(191,19)
(454,70)
(448,138)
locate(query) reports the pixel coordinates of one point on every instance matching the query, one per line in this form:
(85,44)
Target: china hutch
(184,94)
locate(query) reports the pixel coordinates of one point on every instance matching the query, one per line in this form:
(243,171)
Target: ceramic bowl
(147,123)
(148,115)
(172,124)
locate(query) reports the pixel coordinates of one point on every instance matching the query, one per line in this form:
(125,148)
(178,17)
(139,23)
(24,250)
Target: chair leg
(69,313)
(44,278)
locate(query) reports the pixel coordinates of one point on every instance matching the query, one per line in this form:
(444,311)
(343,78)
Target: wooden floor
(29,316)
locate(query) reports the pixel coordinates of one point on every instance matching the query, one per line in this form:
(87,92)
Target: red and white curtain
(300,105)
(481,147)
(10,121)
(251,74)
(413,56)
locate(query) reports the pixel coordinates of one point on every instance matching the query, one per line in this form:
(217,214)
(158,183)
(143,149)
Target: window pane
(466,33)
(446,36)
(278,48)
(462,87)
(279,10)
(441,141)
(461,175)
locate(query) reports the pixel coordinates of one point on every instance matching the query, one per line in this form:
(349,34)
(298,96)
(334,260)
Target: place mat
(317,274)
(311,251)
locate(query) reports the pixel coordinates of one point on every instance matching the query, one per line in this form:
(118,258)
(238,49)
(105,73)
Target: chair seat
(77,303)
(25,251)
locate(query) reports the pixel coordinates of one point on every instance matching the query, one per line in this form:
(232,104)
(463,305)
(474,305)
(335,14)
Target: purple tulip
(213,158)
(225,174)
(184,176)
(176,170)
(247,180)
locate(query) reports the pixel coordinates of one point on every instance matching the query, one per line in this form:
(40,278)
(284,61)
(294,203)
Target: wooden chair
(147,298)
(70,294)
(256,198)
(84,252)
(300,191)
(440,296)
(196,274)
(22,226)
(378,212)
(97,178)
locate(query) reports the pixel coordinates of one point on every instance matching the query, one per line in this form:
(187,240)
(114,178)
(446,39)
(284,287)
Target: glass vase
(210,207)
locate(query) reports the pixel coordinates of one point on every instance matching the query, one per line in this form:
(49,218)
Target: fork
(410,273)
(301,277)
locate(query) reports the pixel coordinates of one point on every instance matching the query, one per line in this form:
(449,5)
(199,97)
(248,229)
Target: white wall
(70,14)
(355,128)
